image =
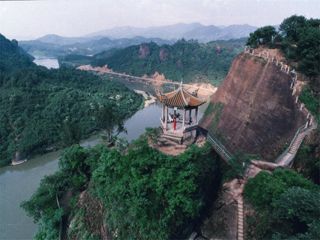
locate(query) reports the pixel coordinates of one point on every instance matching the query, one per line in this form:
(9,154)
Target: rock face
(144,51)
(253,110)
(163,54)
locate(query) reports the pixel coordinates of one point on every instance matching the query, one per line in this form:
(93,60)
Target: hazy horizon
(73,18)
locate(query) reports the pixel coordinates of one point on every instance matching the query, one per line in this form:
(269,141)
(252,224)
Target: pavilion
(179,119)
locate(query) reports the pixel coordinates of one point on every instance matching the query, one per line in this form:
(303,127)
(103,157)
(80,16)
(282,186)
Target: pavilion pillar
(165,117)
(184,118)
(190,116)
(196,117)
(162,115)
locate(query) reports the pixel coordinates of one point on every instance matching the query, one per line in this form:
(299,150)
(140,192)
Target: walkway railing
(286,158)
(281,156)
(219,147)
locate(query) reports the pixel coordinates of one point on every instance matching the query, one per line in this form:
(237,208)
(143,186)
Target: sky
(27,19)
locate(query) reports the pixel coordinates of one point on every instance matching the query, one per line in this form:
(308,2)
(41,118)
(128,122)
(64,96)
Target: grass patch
(311,101)
(216,110)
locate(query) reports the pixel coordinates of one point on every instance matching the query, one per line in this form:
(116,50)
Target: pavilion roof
(180,98)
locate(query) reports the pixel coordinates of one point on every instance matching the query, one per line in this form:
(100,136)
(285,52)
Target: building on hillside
(179,119)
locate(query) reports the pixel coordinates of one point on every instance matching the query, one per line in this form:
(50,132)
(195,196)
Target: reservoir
(46,62)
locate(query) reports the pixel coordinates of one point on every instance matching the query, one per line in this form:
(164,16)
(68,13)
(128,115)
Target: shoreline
(148,98)
(15,163)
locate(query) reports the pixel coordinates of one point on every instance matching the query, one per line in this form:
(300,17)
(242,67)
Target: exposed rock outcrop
(144,51)
(163,54)
(256,111)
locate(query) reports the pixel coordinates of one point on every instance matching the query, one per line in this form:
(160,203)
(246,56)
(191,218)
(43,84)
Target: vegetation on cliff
(187,61)
(287,206)
(299,39)
(44,109)
(145,194)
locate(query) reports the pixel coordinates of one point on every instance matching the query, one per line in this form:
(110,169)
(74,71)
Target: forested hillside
(12,56)
(139,193)
(187,61)
(46,109)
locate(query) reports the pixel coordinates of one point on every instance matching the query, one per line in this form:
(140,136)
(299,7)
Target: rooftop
(180,98)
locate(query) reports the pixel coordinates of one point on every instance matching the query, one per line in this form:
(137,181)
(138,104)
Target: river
(18,183)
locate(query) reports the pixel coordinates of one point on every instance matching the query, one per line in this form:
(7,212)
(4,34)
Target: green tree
(295,211)
(152,196)
(290,27)
(266,187)
(262,36)
(286,205)
(308,51)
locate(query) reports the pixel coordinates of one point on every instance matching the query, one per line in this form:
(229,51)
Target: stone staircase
(240,235)
(169,142)
(172,137)
(286,158)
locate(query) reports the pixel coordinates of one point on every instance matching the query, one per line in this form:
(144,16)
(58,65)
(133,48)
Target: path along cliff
(281,82)
(255,109)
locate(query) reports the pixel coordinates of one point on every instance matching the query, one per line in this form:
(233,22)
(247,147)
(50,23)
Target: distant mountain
(181,30)
(120,37)
(59,40)
(174,31)
(54,45)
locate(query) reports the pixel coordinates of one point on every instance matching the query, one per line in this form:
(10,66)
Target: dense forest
(139,193)
(187,61)
(287,206)
(45,109)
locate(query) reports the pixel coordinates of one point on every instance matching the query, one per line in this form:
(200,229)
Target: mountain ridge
(180,30)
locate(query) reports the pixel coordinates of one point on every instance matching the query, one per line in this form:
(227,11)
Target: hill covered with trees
(139,193)
(187,61)
(45,109)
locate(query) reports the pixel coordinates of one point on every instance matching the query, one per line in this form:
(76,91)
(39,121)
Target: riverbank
(148,98)
(18,183)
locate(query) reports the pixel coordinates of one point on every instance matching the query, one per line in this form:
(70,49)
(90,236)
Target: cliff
(253,110)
